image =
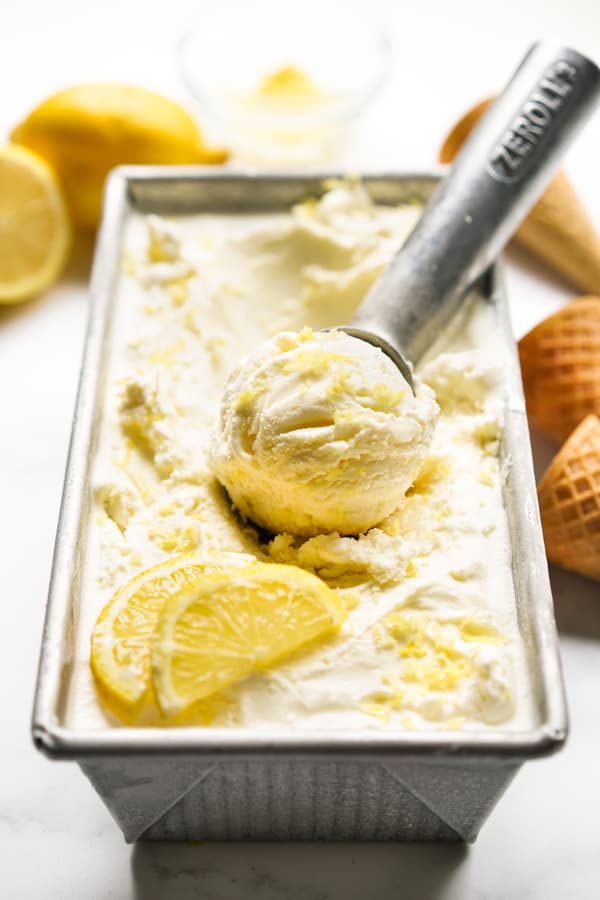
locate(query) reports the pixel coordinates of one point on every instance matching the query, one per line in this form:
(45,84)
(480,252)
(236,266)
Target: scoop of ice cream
(319,432)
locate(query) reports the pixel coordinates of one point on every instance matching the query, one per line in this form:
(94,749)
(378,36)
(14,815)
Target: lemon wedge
(85,130)
(120,656)
(35,234)
(235,623)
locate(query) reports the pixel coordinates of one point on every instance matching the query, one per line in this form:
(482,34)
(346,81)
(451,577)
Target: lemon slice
(35,233)
(234,623)
(120,657)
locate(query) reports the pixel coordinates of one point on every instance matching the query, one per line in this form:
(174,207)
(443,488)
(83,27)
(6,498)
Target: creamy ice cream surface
(319,432)
(431,637)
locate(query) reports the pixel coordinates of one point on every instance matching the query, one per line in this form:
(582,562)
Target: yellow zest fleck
(346,416)
(136,478)
(458,575)
(381,397)
(307,208)
(180,540)
(413,648)
(476,632)
(381,638)
(433,470)
(166,356)
(126,458)
(245,398)
(350,600)
(377,710)
(128,264)
(487,472)
(138,481)
(396,690)
(445,676)
(402,627)
(306,334)
(455,723)
(313,361)
(190,322)
(179,291)
(338,386)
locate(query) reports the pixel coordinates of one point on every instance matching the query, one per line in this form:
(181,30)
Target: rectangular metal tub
(205,783)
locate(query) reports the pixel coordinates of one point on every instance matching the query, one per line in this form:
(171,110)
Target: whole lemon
(86,130)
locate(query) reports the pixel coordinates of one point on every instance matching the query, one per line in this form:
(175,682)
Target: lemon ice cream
(430,637)
(319,432)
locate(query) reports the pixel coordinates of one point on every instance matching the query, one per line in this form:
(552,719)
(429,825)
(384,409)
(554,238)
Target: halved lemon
(231,624)
(120,657)
(35,232)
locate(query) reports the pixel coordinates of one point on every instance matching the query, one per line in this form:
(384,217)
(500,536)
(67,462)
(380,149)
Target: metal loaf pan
(206,783)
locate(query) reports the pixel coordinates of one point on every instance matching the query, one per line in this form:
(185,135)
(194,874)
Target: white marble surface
(57,841)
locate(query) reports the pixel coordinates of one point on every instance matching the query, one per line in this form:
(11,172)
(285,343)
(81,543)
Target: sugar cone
(557,230)
(560,365)
(569,497)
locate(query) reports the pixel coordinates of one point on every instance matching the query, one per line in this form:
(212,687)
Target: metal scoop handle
(497,177)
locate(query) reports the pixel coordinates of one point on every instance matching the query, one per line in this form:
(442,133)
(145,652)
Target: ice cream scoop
(328,436)
(500,172)
(557,230)
(319,432)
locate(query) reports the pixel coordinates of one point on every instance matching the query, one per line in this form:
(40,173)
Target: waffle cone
(569,497)
(560,365)
(558,230)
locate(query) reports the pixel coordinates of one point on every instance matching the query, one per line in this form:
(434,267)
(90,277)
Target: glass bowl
(283,82)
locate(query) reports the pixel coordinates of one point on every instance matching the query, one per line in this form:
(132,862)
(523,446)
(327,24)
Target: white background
(57,841)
